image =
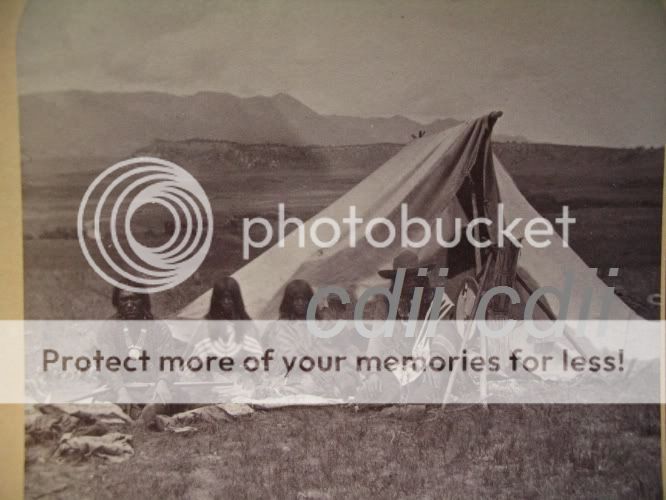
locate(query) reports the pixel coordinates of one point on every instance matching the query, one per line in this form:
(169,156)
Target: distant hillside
(202,156)
(82,123)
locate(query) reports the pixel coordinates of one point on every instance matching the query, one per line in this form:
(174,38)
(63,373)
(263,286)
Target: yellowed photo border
(11,249)
(11,258)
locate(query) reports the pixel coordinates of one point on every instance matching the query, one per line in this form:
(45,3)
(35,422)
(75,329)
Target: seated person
(228,332)
(227,339)
(402,384)
(290,337)
(130,331)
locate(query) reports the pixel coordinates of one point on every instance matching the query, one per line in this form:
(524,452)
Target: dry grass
(395,452)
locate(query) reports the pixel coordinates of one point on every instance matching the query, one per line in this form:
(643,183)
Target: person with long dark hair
(290,337)
(226,332)
(295,301)
(226,301)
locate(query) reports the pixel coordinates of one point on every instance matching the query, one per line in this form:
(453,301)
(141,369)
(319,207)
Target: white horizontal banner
(327,362)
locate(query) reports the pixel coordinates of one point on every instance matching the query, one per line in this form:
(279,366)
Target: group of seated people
(238,337)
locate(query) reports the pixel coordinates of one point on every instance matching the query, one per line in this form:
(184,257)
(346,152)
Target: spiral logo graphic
(105,229)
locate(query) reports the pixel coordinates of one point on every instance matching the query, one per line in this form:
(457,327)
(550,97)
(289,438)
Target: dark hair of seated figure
(226,301)
(117,298)
(296,299)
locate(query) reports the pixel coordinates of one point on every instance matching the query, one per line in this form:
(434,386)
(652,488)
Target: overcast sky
(576,72)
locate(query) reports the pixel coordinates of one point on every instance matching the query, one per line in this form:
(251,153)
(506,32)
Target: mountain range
(83,123)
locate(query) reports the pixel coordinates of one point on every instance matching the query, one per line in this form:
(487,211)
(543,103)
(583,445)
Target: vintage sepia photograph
(210,179)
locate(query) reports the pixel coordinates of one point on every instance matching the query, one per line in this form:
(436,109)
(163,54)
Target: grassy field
(397,452)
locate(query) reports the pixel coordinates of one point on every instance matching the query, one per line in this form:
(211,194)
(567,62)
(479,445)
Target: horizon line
(418,119)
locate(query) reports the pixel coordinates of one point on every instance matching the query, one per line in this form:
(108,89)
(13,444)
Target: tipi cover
(428,175)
